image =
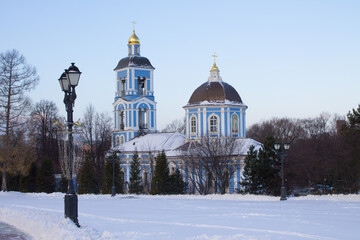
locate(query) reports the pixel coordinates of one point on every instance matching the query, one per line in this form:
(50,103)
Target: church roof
(174,144)
(216,92)
(134,61)
(153,142)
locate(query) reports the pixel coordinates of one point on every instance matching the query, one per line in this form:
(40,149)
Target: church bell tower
(134,105)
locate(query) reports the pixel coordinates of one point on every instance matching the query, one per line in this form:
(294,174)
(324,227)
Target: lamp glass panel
(277,146)
(64,83)
(286,146)
(73,77)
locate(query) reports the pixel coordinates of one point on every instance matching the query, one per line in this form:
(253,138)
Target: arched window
(122,139)
(143,118)
(193,125)
(117,141)
(213,124)
(234,123)
(121,120)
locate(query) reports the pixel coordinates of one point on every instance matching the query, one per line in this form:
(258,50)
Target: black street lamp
(282,150)
(112,157)
(68,81)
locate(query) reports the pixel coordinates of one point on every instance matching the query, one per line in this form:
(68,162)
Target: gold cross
(133,22)
(214,56)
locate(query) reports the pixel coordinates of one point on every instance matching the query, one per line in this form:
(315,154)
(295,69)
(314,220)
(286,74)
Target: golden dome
(214,68)
(134,39)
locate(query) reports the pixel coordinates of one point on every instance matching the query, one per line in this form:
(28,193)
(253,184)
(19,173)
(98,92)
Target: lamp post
(282,150)
(112,157)
(68,81)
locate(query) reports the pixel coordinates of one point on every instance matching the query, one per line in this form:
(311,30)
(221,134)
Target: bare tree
(178,125)
(149,148)
(212,162)
(282,129)
(16,78)
(97,136)
(42,124)
(199,178)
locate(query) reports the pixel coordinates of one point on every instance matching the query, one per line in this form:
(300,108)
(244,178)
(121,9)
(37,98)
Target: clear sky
(286,58)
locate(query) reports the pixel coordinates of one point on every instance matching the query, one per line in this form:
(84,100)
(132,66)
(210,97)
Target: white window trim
(231,122)
(217,124)
(196,127)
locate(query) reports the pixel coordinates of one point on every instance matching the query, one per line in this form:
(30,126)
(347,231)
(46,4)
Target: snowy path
(8,232)
(185,217)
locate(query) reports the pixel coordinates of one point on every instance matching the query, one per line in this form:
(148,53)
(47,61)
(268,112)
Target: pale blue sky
(285,58)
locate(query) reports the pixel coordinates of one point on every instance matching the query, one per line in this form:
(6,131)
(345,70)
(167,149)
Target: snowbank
(184,216)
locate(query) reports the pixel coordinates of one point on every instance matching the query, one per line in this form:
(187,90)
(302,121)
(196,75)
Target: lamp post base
(71,205)
(113,192)
(283,194)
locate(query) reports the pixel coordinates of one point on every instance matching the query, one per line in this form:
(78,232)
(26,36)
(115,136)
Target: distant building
(214,110)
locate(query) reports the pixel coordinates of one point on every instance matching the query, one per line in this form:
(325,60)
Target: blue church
(214,110)
(134,105)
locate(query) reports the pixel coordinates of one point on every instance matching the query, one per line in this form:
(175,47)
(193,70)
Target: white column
(241,123)
(228,122)
(187,124)
(244,132)
(198,124)
(204,123)
(152,81)
(222,122)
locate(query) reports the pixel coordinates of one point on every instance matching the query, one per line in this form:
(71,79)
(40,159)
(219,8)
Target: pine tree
(45,178)
(176,183)
(268,168)
(108,176)
(87,176)
(249,178)
(261,170)
(135,175)
(28,182)
(160,180)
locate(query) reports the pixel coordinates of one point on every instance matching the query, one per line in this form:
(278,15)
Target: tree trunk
(4,185)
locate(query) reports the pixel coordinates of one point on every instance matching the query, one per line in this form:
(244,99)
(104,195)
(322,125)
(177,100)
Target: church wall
(152,119)
(238,176)
(224,115)
(130,77)
(148,87)
(142,73)
(121,74)
(177,163)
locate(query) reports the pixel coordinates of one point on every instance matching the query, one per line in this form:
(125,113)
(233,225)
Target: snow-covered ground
(184,217)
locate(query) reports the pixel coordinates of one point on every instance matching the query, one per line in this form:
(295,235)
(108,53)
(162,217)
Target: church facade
(214,110)
(134,105)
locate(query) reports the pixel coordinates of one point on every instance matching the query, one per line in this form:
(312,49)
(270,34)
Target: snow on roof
(171,143)
(242,147)
(154,142)
(217,102)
